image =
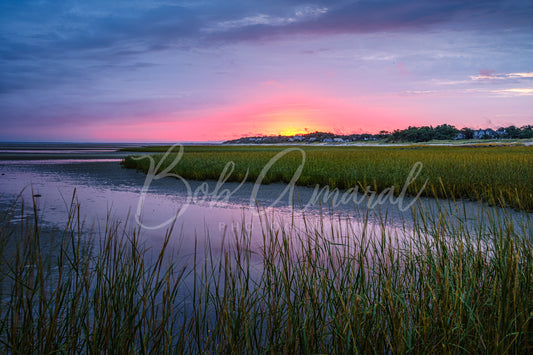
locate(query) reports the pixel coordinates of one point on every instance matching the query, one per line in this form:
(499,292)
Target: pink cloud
(487,73)
(402,69)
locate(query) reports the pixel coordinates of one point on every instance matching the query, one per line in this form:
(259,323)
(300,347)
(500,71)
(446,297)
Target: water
(209,214)
(103,188)
(50,174)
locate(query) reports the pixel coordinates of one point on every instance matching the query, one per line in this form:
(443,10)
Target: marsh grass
(497,175)
(448,285)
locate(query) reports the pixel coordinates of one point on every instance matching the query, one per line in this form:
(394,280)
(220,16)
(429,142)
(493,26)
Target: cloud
(485,74)
(514,92)
(414,15)
(402,69)
(488,75)
(299,14)
(418,92)
(128,28)
(519,75)
(272,83)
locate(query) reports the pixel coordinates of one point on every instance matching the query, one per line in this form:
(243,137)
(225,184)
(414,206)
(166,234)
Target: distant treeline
(411,134)
(447,132)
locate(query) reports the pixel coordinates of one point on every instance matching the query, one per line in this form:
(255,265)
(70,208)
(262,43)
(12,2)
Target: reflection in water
(105,190)
(232,258)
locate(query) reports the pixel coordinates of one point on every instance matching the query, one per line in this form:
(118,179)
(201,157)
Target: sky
(212,70)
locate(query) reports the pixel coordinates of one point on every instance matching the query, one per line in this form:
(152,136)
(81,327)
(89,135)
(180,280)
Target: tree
(468,133)
(512,132)
(445,132)
(526,131)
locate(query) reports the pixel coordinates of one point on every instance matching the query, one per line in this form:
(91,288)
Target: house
(484,134)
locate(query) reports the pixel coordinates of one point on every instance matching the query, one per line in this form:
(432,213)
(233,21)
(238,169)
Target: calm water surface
(53,173)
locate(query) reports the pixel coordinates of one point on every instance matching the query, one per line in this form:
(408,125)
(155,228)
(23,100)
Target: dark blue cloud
(98,26)
(34,30)
(155,27)
(388,16)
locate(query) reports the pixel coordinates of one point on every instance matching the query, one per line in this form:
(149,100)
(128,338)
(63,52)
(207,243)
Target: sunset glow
(212,71)
(291,131)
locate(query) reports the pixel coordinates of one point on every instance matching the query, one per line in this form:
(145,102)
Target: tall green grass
(497,175)
(80,294)
(461,287)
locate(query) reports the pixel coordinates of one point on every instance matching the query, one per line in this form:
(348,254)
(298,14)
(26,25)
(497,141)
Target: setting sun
(291,131)
(291,121)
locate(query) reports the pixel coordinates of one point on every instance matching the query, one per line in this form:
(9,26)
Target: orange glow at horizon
(290,121)
(287,116)
(292,131)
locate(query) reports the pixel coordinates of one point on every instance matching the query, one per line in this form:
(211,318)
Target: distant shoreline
(464,143)
(444,132)
(41,147)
